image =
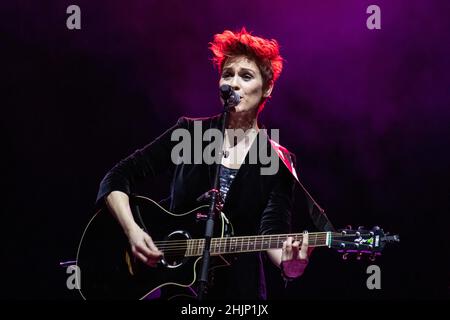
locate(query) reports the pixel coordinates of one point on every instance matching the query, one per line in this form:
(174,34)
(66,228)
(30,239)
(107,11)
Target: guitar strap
(316,213)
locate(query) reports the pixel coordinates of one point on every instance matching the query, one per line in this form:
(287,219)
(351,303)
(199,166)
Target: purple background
(366,112)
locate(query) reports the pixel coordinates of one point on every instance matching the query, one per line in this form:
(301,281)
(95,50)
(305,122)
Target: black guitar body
(108,269)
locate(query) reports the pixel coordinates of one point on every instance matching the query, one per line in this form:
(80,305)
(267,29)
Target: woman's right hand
(142,246)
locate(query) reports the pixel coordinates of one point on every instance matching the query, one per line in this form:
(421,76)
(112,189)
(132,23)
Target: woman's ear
(268,91)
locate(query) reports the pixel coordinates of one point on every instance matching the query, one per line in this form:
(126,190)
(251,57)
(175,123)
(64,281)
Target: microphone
(229,96)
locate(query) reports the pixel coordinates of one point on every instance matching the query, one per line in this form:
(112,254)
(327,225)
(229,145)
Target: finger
(148,240)
(143,248)
(140,256)
(295,249)
(305,237)
(152,262)
(283,251)
(289,241)
(152,255)
(288,249)
(289,244)
(304,248)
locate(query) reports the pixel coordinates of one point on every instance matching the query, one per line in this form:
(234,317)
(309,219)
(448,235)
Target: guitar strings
(200,243)
(259,239)
(183,245)
(194,250)
(225,240)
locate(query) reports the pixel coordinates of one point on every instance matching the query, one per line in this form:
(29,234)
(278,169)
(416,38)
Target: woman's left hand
(294,256)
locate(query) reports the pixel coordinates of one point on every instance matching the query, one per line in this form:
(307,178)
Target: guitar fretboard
(253,243)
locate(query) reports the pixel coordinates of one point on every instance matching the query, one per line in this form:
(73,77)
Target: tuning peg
(376,228)
(360,228)
(349,227)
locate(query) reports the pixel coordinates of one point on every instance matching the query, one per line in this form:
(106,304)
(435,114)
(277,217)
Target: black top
(227,176)
(255,203)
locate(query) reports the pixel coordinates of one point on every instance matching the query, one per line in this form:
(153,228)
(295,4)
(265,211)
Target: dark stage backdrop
(365,111)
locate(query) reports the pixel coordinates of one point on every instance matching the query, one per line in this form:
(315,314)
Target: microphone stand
(214,197)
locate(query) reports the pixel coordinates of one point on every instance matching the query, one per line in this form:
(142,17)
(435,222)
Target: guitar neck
(254,243)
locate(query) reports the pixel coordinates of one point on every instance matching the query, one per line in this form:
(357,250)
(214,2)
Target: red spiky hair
(265,53)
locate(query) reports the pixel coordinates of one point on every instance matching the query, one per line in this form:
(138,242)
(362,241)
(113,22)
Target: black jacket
(255,203)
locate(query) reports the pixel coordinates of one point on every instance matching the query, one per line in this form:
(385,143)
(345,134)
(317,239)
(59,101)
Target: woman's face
(243,75)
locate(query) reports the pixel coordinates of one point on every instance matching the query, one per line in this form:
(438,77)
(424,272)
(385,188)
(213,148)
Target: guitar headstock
(362,242)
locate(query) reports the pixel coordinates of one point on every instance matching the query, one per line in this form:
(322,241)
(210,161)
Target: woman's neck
(243,120)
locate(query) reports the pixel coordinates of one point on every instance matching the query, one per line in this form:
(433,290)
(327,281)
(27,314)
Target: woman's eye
(247,76)
(226,75)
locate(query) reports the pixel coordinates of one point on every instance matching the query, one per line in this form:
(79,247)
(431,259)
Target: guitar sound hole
(174,249)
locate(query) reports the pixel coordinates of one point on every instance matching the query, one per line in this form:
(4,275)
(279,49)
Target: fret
(248,243)
(227,244)
(220,245)
(216,245)
(233,244)
(188,251)
(201,243)
(266,243)
(213,246)
(194,247)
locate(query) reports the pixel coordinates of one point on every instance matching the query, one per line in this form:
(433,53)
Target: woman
(256,203)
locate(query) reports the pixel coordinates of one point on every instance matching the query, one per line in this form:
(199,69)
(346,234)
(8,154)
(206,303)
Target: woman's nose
(235,83)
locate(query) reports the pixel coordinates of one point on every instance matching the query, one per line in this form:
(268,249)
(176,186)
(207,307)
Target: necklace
(241,143)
